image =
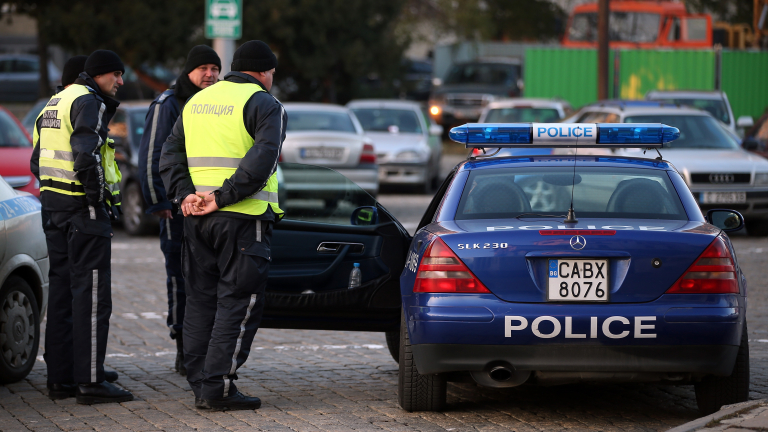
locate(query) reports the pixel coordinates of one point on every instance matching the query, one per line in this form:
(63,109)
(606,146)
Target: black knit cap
(200,55)
(254,56)
(103,61)
(72,69)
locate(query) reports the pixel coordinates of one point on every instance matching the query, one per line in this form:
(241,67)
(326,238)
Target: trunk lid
(511,257)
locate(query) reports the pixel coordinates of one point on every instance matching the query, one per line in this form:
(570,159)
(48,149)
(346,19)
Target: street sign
(223,19)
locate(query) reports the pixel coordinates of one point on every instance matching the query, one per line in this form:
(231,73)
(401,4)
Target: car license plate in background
(584,280)
(723,197)
(335,153)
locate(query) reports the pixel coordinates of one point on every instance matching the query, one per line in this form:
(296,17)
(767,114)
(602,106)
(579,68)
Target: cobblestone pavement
(339,381)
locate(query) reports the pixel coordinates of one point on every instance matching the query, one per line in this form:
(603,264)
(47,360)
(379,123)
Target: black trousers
(225,262)
(171,234)
(79,297)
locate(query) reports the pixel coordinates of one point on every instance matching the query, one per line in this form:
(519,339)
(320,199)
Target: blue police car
(621,280)
(613,276)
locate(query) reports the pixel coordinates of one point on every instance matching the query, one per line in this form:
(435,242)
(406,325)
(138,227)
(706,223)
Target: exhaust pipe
(500,374)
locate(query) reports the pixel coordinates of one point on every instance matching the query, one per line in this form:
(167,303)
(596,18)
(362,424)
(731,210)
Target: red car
(15,152)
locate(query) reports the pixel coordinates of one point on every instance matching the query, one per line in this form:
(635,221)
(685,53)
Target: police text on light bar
(564,135)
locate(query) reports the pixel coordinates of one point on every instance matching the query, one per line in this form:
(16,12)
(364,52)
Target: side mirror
(435,129)
(750,144)
(365,216)
(726,220)
(745,122)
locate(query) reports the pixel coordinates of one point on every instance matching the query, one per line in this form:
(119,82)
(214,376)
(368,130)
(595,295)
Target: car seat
(640,196)
(499,197)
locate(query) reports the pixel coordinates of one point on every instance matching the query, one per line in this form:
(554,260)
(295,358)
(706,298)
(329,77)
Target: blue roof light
(564,135)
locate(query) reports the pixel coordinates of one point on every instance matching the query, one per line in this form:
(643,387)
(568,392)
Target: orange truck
(640,24)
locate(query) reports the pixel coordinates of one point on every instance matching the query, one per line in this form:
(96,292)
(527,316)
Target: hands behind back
(206,204)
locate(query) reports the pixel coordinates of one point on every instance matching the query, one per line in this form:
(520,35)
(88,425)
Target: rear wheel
(757,227)
(19,330)
(714,392)
(135,221)
(393,344)
(417,392)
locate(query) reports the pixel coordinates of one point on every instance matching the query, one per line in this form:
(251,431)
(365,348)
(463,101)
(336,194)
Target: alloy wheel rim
(17,329)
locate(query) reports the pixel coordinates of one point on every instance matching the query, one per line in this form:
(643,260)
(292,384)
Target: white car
(407,141)
(23,282)
(714,102)
(330,136)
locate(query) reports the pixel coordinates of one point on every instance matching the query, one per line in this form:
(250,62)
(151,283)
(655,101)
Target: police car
(622,279)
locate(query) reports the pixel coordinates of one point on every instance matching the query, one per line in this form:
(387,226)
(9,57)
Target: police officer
(75,170)
(200,71)
(219,163)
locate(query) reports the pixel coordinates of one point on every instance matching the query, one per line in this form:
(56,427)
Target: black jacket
(159,122)
(90,114)
(265,120)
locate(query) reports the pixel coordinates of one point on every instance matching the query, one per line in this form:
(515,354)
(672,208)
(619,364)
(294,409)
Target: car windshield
(624,27)
(301,120)
(696,131)
(383,120)
(482,73)
(523,115)
(600,192)
(11,135)
(716,107)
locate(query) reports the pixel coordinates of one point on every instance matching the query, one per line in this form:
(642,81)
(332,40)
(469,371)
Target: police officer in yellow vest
(75,166)
(219,166)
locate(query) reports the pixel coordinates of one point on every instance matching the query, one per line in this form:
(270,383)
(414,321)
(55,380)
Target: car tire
(417,392)
(393,344)
(757,227)
(19,330)
(135,221)
(713,392)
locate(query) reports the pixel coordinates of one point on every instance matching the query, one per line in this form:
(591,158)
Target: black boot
(111,376)
(238,401)
(102,392)
(61,391)
(180,356)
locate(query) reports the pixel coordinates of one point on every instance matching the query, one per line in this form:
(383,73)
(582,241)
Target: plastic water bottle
(355,276)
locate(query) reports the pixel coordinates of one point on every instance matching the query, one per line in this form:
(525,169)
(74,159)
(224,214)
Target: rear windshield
(319,121)
(482,73)
(600,192)
(382,120)
(695,131)
(523,115)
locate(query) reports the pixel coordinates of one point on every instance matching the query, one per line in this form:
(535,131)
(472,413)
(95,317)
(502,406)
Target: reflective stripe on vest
(217,141)
(56,159)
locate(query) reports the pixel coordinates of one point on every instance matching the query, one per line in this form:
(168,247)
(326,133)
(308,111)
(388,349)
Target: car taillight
(712,273)
(368,155)
(441,271)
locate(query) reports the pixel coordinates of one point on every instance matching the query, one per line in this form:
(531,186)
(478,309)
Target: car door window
(25,66)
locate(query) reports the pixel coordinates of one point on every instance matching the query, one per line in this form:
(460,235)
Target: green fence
(571,74)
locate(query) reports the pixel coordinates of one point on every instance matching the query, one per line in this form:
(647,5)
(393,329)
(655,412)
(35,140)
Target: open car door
(331,224)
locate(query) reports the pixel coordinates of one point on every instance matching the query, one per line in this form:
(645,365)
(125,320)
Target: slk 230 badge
(482,245)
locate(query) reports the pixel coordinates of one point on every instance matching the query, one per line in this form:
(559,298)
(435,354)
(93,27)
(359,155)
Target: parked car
(417,82)
(470,87)
(407,142)
(15,153)
(20,76)
(126,128)
(23,282)
(330,136)
(714,102)
(719,172)
(28,122)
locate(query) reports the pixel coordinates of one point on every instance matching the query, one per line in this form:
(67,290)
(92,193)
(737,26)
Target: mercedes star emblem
(578,242)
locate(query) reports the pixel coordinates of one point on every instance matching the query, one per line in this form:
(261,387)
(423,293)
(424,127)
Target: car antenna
(571,217)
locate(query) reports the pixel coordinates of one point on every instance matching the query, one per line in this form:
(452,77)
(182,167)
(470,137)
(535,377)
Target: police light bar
(564,135)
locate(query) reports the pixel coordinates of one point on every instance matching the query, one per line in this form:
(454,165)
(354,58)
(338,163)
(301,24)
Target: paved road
(341,381)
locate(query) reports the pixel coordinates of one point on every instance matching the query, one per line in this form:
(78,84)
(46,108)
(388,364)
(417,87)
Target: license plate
(466,113)
(723,197)
(578,280)
(335,153)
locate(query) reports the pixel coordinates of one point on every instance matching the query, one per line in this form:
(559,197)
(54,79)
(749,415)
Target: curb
(726,411)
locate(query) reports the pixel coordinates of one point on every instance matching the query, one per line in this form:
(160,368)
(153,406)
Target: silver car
(24,282)
(714,102)
(407,142)
(19,77)
(330,136)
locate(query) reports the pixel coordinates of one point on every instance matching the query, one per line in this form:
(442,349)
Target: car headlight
(761,179)
(410,156)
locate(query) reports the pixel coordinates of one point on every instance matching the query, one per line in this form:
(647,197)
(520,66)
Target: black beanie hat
(254,56)
(72,69)
(103,61)
(200,55)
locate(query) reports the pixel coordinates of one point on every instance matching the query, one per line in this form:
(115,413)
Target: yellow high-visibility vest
(216,141)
